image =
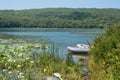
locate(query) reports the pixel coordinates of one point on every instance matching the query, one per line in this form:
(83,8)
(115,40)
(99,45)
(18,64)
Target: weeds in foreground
(23,61)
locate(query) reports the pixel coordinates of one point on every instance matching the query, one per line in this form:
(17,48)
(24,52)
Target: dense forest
(59,18)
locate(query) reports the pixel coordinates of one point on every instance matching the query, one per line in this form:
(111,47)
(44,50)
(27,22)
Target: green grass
(20,60)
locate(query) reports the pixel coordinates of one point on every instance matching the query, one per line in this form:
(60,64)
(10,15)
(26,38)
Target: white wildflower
(20,55)
(9,67)
(4,70)
(27,58)
(19,76)
(21,73)
(18,66)
(45,70)
(36,45)
(9,72)
(32,61)
(22,77)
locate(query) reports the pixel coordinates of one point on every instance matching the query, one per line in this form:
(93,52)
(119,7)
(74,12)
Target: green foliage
(20,60)
(59,18)
(106,54)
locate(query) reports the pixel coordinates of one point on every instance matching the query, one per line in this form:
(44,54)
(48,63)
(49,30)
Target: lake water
(60,40)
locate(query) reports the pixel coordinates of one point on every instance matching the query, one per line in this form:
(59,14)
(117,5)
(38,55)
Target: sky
(37,4)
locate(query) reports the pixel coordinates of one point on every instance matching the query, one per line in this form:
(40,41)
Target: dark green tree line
(59,18)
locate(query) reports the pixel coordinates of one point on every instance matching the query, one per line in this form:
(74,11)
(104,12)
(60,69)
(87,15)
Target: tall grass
(20,60)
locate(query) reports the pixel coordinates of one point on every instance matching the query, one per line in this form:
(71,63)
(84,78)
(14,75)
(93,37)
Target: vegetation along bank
(104,61)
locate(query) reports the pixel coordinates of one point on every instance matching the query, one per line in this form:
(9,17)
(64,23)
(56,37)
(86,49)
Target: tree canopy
(59,18)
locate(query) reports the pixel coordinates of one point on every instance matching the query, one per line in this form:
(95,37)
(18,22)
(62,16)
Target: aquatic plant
(21,60)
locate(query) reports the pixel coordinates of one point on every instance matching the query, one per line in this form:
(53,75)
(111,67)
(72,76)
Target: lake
(59,39)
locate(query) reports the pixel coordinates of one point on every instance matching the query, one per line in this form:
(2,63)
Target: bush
(105,55)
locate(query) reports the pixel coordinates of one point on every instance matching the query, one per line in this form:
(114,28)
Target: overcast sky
(31,4)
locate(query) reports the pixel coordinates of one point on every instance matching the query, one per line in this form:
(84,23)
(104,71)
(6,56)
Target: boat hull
(77,50)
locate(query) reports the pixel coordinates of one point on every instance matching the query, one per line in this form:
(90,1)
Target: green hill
(59,18)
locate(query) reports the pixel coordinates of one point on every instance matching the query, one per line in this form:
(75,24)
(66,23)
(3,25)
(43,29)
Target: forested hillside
(59,18)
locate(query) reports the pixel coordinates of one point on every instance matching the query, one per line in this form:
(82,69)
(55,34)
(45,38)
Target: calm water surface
(60,40)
